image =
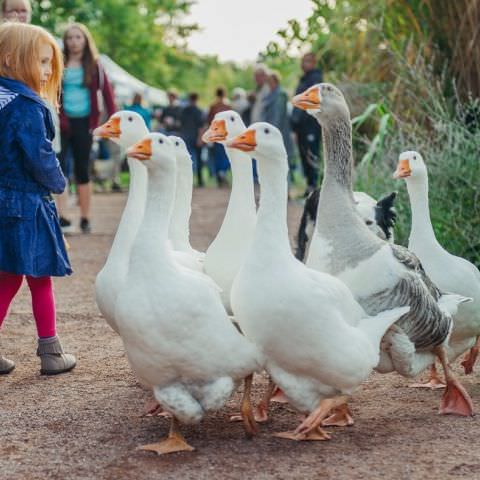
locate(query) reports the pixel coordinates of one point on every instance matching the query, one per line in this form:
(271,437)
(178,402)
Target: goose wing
(412,262)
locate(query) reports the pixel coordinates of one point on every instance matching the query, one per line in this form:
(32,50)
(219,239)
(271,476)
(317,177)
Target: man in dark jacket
(170,118)
(192,120)
(306,127)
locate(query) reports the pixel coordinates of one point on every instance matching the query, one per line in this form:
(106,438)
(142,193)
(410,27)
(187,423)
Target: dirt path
(86,424)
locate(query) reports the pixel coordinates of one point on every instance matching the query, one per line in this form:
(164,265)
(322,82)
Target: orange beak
(403,169)
(110,129)
(216,133)
(246,142)
(141,150)
(309,99)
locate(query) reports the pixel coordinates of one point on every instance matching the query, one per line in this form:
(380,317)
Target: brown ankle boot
(52,357)
(6,365)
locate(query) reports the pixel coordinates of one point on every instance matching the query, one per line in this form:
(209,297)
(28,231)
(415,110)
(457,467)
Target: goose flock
(194,324)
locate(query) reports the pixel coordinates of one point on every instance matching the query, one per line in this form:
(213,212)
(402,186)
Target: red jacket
(100,85)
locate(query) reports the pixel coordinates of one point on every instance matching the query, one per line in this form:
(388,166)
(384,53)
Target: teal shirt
(76,97)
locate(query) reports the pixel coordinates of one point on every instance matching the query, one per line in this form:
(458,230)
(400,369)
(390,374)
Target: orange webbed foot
(278,396)
(432,384)
(170,445)
(456,400)
(260,414)
(340,417)
(173,443)
(469,360)
(317,434)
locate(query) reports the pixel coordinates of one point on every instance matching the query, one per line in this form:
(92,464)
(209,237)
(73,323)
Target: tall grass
(446,134)
(452,30)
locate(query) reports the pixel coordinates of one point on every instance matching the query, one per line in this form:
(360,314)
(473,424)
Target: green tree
(148,39)
(139,35)
(359,40)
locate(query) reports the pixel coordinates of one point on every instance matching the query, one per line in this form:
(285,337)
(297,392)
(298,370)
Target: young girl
(84,84)
(31,243)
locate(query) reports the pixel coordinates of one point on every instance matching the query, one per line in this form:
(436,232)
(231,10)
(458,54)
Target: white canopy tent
(126,85)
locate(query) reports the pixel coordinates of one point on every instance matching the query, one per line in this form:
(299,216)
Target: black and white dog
(378,216)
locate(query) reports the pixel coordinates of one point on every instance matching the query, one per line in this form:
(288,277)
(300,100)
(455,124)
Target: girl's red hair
(20,58)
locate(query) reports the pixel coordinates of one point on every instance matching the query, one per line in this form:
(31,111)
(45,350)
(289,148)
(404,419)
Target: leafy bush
(447,134)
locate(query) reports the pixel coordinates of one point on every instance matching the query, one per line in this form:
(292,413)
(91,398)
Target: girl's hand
(67,245)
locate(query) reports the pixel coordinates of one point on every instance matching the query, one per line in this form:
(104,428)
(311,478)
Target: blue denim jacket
(31,241)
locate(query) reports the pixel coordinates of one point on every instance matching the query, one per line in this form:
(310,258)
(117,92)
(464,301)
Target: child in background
(31,242)
(85,88)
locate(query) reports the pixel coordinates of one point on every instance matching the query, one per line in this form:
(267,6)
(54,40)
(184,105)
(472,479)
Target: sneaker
(6,365)
(52,357)
(65,225)
(85,225)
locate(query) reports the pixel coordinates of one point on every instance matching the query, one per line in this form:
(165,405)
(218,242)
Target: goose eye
(160,141)
(414,157)
(130,119)
(267,131)
(177,144)
(232,119)
(368,222)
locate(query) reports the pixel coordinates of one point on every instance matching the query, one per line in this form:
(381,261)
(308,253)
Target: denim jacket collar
(19,87)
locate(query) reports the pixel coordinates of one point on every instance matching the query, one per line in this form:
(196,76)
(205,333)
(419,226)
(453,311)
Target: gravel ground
(86,424)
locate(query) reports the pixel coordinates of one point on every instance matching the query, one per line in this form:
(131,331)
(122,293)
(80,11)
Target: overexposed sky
(239,29)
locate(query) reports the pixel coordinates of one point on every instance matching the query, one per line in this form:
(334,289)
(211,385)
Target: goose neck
(337,148)
(179,230)
(272,232)
(158,208)
(138,182)
(242,176)
(132,213)
(421,222)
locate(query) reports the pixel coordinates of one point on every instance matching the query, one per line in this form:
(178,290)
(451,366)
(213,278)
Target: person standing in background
(17,11)
(257,110)
(276,113)
(262,90)
(170,118)
(220,159)
(85,86)
(192,120)
(241,104)
(306,127)
(137,106)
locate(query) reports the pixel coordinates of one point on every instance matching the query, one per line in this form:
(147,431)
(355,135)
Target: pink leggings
(43,300)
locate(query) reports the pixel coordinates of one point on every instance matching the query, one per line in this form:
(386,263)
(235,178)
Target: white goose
(318,342)
(179,232)
(379,274)
(177,335)
(450,273)
(228,251)
(123,128)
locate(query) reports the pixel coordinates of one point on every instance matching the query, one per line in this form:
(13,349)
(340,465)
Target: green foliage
(134,33)
(409,70)
(147,38)
(450,149)
(357,40)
